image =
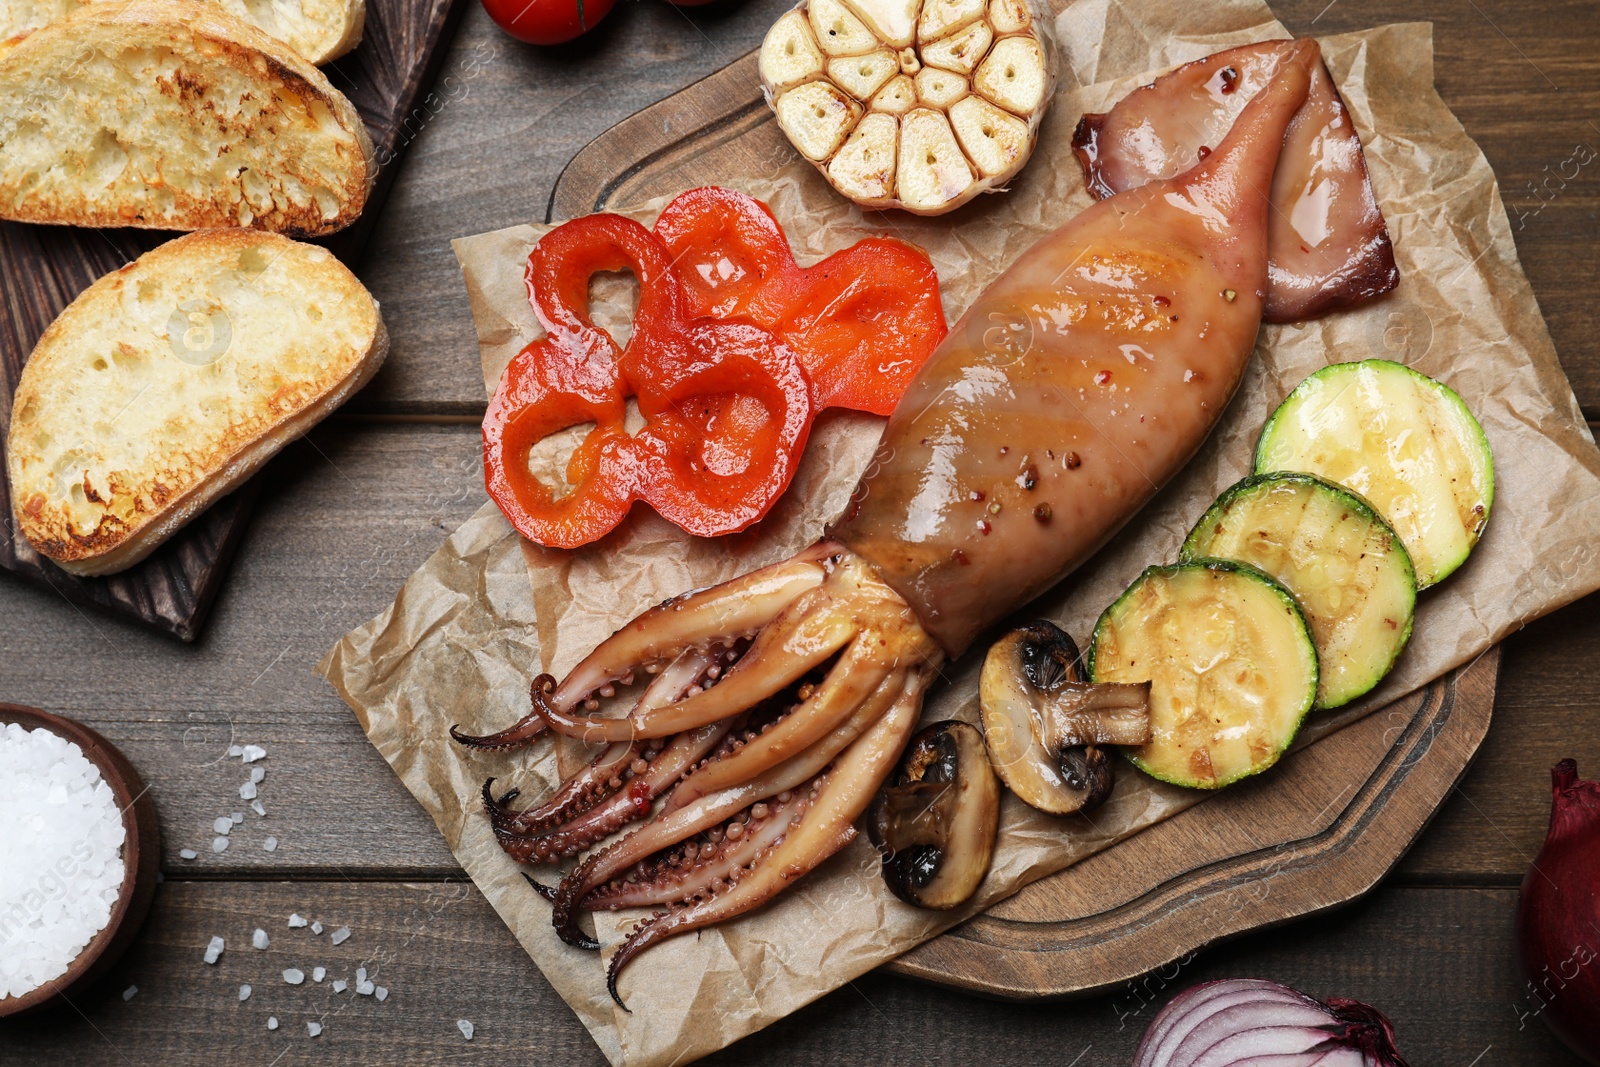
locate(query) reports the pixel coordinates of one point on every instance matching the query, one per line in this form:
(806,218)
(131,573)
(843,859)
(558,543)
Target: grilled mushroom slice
(915,104)
(935,821)
(1044,726)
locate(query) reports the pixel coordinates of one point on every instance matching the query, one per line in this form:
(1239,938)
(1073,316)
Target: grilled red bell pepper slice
(862,322)
(727,406)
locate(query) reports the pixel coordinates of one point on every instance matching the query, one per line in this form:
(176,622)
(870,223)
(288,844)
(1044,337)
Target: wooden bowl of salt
(141,859)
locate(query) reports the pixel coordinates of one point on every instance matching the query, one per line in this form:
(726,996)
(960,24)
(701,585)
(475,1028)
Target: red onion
(1248,1023)
(1558,919)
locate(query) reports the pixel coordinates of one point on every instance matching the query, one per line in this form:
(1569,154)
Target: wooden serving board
(42,268)
(1320,834)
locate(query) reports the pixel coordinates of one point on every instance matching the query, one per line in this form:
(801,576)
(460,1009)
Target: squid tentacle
(721,857)
(736,608)
(838,797)
(790,736)
(796,642)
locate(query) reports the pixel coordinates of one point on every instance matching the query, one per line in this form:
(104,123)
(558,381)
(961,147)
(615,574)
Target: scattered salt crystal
(255,806)
(313,1029)
(223,824)
(244,993)
(340,936)
(340,985)
(247,791)
(318,973)
(238,817)
(294,976)
(214,949)
(235,751)
(188,854)
(128,994)
(366,988)
(219,844)
(361,975)
(272,1022)
(295,922)
(466,1028)
(256,774)
(382,993)
(270,844)
(316,927)
(252,753)
(259,938)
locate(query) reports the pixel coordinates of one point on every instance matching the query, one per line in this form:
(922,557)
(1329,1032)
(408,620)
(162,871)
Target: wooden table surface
(350,512)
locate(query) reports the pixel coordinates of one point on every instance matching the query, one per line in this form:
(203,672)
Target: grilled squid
(742,730)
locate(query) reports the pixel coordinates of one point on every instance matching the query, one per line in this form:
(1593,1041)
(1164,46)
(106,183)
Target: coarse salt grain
(252,753)
(188,854)
(219,844)
(340,985)
(129,993)
(272,1022)
(313,1029)
(61,865)
(466,1028)
(259,939)
(238,817)
(340,936)
(244,993)
(366,988)
(381,993)
(235,751)
(316,927)
(247,791)
(256,806)
(214,949)
(256,774)
(318,973)
(223,825)
(294,976)
(295,922)
(270,845)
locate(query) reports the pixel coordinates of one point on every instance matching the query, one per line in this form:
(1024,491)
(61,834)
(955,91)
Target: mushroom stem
(1083,713)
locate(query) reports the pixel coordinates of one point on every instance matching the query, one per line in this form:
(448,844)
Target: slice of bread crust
(167,383)
(319,30)
(173,114)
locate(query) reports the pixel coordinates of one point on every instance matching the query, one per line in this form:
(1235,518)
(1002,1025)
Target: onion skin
(1558,916)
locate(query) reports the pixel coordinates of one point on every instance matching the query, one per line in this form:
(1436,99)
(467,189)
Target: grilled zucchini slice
(1404,442)
(1345,566)
(1230,661)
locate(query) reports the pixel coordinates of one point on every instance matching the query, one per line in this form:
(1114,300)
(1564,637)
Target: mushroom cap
(937,818)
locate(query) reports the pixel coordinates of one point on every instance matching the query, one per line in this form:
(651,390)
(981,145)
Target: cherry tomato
(547,21)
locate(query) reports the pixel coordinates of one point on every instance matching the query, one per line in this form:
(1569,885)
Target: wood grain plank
(444,955)
(45,267)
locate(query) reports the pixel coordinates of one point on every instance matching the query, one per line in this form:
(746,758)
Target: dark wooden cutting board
(42,268)
(1316,834)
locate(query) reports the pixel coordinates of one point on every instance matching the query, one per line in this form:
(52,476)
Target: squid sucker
(775,705)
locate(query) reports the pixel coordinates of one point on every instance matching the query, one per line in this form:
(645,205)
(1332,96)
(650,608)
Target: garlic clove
(861,76)
(1010,16)
(931,173)
(939,88)
(993,139)
(838,32)
(960,51)
(893,21)
(817,117)
(941,18)
(864,169)
(789,55)
(1013,75)
(896,98)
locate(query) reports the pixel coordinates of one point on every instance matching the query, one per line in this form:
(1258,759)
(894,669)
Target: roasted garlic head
(915,104)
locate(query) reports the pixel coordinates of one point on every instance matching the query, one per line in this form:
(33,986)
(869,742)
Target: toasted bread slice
(173,114)
(167,383)
(319,30)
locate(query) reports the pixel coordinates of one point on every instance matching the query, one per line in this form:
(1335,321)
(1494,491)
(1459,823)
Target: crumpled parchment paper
(469,630)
